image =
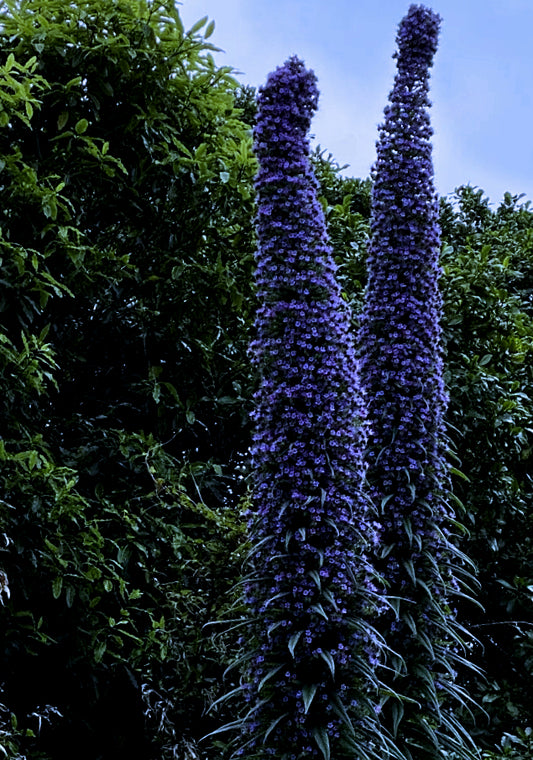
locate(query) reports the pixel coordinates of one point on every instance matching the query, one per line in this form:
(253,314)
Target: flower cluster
(401,372)
(308,577)
(401,354)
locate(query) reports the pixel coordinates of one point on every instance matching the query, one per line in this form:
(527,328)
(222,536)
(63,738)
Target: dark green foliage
(488,288)
(513,746)
(346,203)
(125,207)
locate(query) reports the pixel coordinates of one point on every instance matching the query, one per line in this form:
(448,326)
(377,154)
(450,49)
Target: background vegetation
(126,213)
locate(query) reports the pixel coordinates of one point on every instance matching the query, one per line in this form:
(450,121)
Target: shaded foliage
(488,291)
(126,243)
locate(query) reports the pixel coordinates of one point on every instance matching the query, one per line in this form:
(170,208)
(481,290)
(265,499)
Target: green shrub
(126,251)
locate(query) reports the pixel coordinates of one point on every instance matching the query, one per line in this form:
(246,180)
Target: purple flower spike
(309,674)
(402,375)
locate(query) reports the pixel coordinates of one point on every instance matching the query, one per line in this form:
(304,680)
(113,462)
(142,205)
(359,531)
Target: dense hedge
(126,243)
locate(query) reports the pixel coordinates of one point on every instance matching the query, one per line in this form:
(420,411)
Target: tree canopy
(126,252)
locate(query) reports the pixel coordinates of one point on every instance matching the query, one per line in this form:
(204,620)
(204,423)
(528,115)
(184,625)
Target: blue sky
(482,100)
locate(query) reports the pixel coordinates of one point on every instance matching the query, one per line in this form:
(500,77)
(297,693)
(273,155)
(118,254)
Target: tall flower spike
(309,668)
(402,376)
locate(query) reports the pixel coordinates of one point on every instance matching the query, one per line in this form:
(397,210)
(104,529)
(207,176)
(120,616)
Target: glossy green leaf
(308,694)
(320,735)
(81,126)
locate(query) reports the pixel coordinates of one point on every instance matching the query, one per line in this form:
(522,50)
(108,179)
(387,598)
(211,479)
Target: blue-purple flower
(402,375)
(310,670)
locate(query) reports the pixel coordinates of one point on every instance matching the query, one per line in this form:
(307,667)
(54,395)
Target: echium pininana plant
(402,376)
(311,655)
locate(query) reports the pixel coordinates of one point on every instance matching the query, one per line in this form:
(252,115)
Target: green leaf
(340,710)
(57,585)
(315,576)
(330,662)
(408,564)
(459,474)
(273,726)
(320,735)
(410,622)
(385,500)
(408,529)
(49,206)
(81,126)
(268,676)
(73,83)
(318,608)
(308,694)
(69,595)
(93,573)
(294,639)
(397,711)
(62,119)
(236,724)
(196,27)
(201,152)
(99,651)
(327,595)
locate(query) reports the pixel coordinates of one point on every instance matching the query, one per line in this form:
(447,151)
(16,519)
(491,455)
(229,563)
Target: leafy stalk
(309,519)
(402,375)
